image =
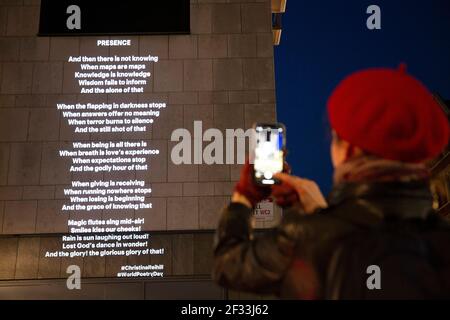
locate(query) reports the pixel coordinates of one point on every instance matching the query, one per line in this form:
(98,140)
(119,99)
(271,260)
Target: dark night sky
(323,41)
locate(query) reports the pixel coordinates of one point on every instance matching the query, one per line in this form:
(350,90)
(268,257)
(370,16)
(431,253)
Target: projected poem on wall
(109,163)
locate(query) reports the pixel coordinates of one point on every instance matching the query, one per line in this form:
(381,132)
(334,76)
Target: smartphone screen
(268,153)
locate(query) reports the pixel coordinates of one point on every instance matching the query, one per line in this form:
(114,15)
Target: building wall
(222,74)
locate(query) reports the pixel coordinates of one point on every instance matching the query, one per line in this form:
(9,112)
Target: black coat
(293,260)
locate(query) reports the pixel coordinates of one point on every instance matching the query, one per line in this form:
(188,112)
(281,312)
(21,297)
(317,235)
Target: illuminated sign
(108,164)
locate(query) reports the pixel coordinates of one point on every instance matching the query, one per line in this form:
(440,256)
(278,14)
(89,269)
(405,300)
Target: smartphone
(268,153)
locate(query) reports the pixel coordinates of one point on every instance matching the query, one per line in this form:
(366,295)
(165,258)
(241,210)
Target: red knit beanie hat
(390,114)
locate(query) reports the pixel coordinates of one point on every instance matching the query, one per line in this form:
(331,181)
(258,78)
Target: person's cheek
(333,154)
(337,154)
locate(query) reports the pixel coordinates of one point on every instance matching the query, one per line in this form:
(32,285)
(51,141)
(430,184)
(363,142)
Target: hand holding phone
(268,154)
(297,191)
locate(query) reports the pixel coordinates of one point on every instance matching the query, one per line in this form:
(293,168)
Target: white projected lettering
(102,74)
(113,117)
(111,159)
